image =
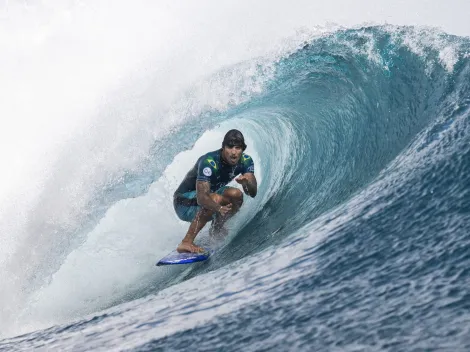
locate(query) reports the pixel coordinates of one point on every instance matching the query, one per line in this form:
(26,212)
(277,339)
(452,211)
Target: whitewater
(358,121)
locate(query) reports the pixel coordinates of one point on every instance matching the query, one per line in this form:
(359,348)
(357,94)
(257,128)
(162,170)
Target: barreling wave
(341,111)
(354,113)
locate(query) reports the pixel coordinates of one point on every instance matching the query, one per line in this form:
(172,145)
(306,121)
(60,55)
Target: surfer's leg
(197,224)
(232,196)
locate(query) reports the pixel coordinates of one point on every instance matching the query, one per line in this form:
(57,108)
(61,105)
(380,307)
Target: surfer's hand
(241,179)
(224,209)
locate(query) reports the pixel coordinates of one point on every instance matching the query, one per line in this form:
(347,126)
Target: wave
(345,117)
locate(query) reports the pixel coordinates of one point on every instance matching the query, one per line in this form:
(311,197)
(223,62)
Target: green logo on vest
(212,163)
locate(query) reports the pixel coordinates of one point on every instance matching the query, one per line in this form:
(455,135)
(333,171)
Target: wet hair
(234,138)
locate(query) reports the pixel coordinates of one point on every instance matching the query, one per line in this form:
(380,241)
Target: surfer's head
(233,146)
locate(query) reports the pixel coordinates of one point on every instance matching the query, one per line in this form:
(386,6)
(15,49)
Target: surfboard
(183,258)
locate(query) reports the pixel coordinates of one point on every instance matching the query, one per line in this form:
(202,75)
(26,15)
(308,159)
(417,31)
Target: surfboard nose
(175,257)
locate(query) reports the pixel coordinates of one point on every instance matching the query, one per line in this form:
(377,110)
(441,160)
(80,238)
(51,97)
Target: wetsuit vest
(213,169)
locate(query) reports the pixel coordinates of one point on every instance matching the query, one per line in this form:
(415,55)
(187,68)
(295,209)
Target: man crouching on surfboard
(203,194)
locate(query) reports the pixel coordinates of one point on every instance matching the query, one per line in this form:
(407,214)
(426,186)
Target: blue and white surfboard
(183,258)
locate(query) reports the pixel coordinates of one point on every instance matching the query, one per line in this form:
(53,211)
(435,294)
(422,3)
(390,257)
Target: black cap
(234,137)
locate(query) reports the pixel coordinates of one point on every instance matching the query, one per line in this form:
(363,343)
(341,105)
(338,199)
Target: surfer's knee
(217,198)
(234,193)
(235,196)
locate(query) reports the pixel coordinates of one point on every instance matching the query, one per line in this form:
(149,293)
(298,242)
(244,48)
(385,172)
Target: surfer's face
(232,154)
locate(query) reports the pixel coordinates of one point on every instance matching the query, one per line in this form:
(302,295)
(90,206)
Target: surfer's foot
(189,247)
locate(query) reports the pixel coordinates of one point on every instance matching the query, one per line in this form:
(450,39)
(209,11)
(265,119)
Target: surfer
(204,195)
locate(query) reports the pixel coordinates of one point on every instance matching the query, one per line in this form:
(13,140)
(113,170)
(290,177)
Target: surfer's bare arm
(204,199)
(249,183)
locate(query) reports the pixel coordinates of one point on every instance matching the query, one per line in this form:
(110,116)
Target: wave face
(359,238)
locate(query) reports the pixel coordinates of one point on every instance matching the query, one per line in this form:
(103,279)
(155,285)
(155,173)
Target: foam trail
(90,113)
(121,251)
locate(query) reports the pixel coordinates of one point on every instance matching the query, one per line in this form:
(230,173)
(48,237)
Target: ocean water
(358,240)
